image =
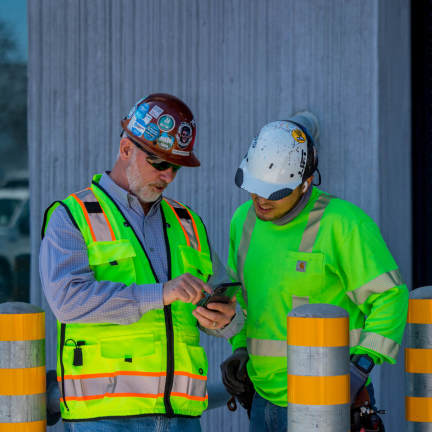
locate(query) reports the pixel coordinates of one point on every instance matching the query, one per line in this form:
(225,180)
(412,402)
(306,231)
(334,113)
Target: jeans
(155,423)
(267,417)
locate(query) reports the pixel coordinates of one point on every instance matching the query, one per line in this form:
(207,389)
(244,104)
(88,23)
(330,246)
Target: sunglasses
(156,162)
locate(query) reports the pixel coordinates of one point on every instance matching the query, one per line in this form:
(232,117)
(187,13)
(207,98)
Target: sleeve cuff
(150,297)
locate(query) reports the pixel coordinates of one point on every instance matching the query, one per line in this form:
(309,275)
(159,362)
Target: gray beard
(144,193)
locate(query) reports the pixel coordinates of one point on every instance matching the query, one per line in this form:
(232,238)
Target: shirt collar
(125,198)
(296,210)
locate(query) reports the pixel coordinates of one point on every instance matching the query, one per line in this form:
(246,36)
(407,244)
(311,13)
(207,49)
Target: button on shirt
(69,284)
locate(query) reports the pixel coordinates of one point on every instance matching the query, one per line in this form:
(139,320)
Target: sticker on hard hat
(298,135)
(180,152)
(146,120)
(184,136)
(166,123)
(156,111)
(165,141)
(135,127)
(151,132)
(134,108)
(143,108)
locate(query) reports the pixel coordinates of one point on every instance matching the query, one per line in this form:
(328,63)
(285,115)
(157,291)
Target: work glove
(234,373)
(358,380)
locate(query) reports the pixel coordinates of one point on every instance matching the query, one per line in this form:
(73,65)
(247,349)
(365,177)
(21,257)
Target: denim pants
(136,424)
(267,417)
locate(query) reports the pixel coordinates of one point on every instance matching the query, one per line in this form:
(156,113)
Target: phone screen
(221,294)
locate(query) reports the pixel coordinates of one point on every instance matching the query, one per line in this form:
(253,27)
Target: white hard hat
(279,159)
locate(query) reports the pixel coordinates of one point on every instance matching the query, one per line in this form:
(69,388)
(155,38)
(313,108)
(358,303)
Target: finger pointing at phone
(187,288)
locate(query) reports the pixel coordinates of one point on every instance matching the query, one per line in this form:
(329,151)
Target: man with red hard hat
(122,267)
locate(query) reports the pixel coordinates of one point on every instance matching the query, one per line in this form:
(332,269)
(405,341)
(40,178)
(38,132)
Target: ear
(126,149)
(306,184)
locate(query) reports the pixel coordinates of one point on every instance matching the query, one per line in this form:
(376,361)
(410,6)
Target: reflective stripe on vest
(186,222)
(133,384)
(97,221)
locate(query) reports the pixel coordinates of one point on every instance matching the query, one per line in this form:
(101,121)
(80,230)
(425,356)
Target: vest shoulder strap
(97,221)
(186,221)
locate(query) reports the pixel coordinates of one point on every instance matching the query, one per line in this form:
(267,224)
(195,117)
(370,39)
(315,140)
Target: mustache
(161,184)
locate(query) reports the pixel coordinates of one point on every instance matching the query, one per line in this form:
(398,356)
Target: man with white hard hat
(293,244)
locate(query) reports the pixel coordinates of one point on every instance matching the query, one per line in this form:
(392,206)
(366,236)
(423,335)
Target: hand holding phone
(221,294)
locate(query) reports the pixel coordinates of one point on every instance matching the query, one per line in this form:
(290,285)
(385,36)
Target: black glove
(234,373)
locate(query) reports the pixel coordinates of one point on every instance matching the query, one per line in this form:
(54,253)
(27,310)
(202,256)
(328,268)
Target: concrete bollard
(318,369)
(22,368)
(418,361)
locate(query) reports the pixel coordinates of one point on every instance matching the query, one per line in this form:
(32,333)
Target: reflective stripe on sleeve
(99,225)
(311,231)
(354,336)
(378,285)
(133,384)
(379,343)
(248,227)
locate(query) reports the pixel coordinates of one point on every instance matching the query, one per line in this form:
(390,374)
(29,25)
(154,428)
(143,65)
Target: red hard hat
(163,125)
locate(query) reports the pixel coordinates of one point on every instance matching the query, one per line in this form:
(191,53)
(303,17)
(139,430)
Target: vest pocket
(195,262)
(113,260)
(191,359)
(304,274)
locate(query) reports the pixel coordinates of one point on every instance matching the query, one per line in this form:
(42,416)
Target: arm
(238,340)
(71,289)
(375,285)
(234,326)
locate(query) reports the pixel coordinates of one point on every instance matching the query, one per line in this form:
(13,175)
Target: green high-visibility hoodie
(331,252)
(155,365)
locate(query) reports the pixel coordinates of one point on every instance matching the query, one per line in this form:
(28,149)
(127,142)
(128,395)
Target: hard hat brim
(270,191)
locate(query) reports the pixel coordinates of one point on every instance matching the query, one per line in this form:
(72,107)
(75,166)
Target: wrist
(362,362)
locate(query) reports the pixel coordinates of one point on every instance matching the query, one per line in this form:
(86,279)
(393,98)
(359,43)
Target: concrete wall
(238,64)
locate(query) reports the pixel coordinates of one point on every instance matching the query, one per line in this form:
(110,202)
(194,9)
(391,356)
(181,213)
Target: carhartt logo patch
(301,266)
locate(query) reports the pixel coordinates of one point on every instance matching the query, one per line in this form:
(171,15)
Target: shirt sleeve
(72,291)
(220,276)
(374,284)
(239,339)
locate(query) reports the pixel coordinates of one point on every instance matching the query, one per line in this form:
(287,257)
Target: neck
(118,176)
(296,209)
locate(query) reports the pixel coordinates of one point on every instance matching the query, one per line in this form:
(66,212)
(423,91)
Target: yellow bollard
(318,369)
(22,368)
(418,361)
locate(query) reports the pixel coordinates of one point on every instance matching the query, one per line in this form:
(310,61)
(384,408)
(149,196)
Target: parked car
(16,179)
(14,244)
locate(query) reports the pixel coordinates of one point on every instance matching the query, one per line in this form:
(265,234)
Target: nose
(168,175)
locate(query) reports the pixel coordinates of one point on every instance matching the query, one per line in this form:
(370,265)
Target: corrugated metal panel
(238,64)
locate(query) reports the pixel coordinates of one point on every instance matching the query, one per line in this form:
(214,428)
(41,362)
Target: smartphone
(221,294)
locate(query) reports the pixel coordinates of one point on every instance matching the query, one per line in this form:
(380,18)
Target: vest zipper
(167,309)
(169,329)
